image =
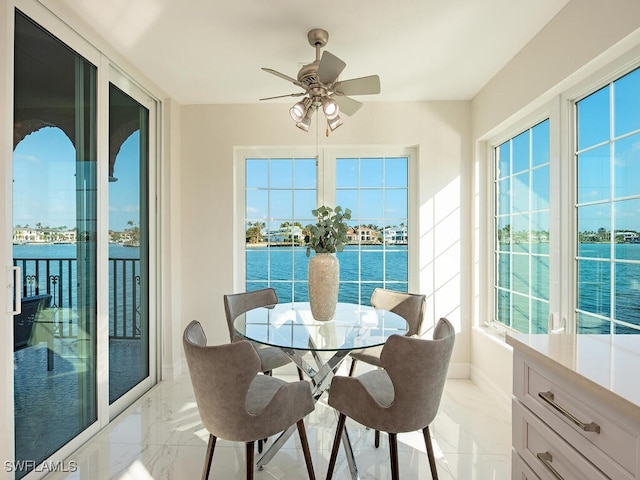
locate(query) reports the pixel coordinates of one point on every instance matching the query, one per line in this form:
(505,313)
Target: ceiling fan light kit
(322,90)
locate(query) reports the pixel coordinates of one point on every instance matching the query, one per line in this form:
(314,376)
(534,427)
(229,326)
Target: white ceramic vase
(324,275)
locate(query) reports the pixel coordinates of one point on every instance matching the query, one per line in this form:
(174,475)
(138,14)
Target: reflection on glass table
(291,327)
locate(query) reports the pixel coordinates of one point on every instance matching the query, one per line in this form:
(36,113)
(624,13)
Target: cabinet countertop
(606,366)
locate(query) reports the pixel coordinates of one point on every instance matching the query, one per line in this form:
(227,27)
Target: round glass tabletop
(291,325)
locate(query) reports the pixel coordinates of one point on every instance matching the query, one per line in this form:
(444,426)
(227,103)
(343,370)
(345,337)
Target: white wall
(440,131)
(554,58)
(171,353)
(582,38)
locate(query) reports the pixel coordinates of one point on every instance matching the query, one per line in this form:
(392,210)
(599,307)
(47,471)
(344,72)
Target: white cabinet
(576,407)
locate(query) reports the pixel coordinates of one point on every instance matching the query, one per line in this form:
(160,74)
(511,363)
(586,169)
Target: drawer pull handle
(546,459)
(587,427)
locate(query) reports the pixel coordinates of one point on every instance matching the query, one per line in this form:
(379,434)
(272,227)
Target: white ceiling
(211,51)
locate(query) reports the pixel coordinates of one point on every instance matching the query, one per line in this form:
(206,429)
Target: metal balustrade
(57,277)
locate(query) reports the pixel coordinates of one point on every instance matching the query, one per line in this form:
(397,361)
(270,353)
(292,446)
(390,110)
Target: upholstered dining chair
(236,403)
(238,303)
(403,396)
(409,306)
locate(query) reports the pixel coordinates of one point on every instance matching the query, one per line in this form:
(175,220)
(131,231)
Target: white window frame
(325,193)
(559,108)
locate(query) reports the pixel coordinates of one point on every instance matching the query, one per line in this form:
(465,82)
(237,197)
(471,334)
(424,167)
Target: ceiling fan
(322,89)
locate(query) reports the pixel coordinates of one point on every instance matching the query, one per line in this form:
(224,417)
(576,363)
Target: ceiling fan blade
(359,86)
(347,105)
(283,96)
(283,76)
(330,67)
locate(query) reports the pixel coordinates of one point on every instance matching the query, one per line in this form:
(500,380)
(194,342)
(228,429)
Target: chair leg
(260,446)
(305,449)
(336,443)
(249,460)
(376,441)
(209,456)
(393,454)
(353,367)
(300,374)
(432,458)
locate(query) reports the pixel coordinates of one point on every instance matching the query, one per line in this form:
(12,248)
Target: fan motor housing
(308,75)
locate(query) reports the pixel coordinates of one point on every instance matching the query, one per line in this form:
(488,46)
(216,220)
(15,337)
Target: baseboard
(459,370)
(490,388)
(171,371)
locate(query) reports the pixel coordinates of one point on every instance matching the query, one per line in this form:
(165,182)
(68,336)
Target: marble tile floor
(160,437)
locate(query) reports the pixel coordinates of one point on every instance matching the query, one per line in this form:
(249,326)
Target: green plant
(329,234)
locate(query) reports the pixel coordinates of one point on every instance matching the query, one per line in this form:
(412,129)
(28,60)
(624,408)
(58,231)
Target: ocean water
(376,266)
(608,289)
(608,284)
(68,250)
(361,270)
(58,276)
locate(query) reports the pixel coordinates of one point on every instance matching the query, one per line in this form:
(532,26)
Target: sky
(607,163)
(44,174)
(374,189)
(44,182)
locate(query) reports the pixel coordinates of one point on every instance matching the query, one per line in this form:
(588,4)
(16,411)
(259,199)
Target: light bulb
(297,111)
(330,108)
(334,122)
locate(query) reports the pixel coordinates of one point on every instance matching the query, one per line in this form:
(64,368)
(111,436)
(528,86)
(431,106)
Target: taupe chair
(409,306)
(239,303)
(236,403)
(403,396)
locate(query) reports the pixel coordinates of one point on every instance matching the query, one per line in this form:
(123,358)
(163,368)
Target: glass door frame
(107,72)
(139,94)
(7,424)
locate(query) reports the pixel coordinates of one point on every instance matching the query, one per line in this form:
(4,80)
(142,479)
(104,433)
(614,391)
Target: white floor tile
(160,437)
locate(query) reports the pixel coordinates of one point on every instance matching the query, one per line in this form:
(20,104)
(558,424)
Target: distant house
(362,235)
(284,234)
(23,235)
(627,237)
(395,236)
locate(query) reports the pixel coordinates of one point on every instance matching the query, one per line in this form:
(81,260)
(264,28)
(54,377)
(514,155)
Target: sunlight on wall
(440,247)
(476,244)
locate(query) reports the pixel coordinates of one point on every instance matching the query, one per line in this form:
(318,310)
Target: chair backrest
(409,306)
(418,369)
(221,376)
(238,303)
(24,321)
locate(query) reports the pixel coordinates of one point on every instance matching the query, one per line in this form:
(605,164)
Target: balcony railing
(58,278)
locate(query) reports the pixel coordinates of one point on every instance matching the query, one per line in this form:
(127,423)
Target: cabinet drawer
(546,452)
(587,427)
(520,470)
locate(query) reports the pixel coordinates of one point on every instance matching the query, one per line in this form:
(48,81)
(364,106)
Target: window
(376,190)
(595,273)
(279,194)
(608,208)
(521,282)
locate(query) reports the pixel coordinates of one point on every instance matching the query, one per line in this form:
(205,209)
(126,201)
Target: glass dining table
(318,348)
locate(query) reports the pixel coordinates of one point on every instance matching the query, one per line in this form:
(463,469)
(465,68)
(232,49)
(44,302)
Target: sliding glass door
(82,178)
(55,244)
(128,243)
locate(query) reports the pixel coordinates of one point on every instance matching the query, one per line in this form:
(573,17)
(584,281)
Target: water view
(361,270)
